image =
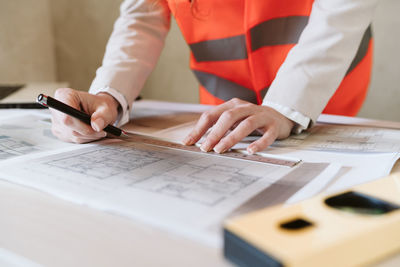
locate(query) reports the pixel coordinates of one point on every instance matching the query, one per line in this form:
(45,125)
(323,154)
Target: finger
(95,135)
(207,119)
(80,140)
(224,123)
(264,141)
(59,119)
(236,124)
(102,117)
(68,135)
(63,121)
(241,131)
(67,96)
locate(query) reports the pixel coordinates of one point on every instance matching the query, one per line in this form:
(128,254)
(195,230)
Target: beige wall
(81,29)
(26,41)
(383,101)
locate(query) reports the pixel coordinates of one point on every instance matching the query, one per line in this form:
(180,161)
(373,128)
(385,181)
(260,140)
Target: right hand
(102,107)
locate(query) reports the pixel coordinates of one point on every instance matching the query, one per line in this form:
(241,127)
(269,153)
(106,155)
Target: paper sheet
(25,133)
(185,192)
(175,121)
(346,138)
(357,121)
(361,167)
(353,138)
(188,193)
(164,120)
(10,259)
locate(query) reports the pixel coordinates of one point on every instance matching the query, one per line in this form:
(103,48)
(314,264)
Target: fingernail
(187,141)
(250,150)
(205,147)
(98,124)
(219,149)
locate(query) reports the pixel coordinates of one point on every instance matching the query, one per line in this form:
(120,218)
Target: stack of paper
(185,192)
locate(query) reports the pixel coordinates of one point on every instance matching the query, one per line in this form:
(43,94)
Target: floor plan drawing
(12,147)
(186,176)
(181,190)
(186,192)
(344,138)
(208,185)
(24,135)
(104,162)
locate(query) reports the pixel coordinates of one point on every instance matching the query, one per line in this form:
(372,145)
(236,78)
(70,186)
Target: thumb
(102,116)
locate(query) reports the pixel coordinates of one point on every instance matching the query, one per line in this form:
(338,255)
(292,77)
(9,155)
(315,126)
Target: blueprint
(166,172)
(184,192)
(12,147)
(345,138)
(187,192)
(26,134)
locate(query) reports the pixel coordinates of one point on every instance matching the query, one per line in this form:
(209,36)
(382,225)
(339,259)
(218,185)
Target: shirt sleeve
(315,67)
(301,122)
(132,51)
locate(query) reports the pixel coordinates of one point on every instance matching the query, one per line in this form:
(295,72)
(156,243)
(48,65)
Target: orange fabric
(266,62)
(211,19)
(217,19)
(208,99)
(264,10)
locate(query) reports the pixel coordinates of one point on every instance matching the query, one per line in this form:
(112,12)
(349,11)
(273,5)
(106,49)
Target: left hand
(244,117)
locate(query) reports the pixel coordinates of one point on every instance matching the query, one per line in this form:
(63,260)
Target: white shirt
(303,85)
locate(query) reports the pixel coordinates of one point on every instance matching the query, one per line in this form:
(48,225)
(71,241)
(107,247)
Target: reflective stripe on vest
(213,50)
(362,49)
(277,31)
(273,32)
(224,89)
(231,48)
(238,47)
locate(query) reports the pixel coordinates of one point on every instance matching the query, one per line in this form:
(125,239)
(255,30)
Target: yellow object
(350,228)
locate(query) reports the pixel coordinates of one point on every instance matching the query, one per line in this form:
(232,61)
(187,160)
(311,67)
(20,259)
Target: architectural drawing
(11,147)
(182,175)
(186,192)
(26,134)
(345,138)
(208,185)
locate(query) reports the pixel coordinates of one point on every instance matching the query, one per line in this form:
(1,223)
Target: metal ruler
(138,138)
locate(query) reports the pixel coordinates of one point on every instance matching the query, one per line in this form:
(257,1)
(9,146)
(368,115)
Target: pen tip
(124,134)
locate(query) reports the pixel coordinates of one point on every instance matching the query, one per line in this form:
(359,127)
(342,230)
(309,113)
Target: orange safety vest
(237,47)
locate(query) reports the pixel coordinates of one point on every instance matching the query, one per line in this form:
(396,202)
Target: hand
(243,117)
(102,107)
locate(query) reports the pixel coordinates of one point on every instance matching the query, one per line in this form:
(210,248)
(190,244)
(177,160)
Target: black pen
(48,101)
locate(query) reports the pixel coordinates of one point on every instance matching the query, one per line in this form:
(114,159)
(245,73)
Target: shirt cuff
(302,122)
(123,111)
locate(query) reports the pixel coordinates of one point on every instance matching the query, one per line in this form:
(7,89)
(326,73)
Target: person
(271,66)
